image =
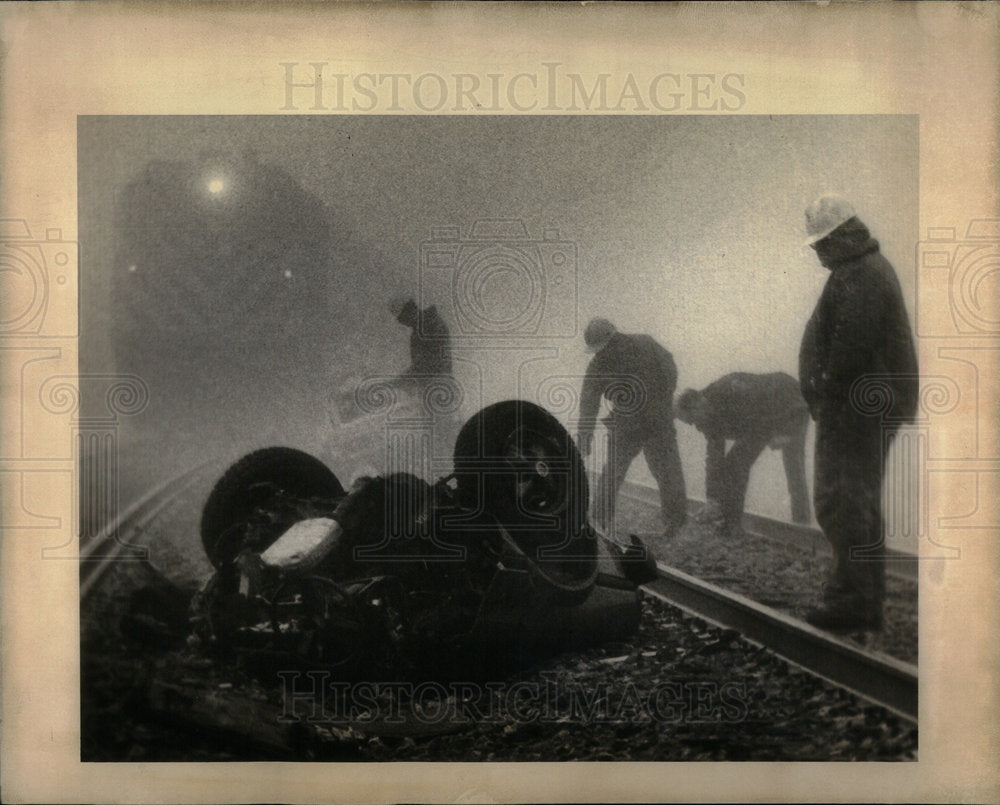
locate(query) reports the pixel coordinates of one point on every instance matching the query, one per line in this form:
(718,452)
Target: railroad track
(898,564)
(122,538)
(876,677)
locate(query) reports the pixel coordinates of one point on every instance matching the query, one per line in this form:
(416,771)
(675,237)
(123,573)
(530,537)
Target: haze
(686,228)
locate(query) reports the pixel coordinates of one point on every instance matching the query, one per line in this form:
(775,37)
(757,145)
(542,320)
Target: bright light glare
(216,186)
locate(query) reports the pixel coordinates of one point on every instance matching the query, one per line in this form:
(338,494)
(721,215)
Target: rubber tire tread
(484,435)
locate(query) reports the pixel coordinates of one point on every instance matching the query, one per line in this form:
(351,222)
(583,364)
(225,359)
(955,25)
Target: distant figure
(638,377)
(430,343)
(756,411)
(859,329)
(429,380)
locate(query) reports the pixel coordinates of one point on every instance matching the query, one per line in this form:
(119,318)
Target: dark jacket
(744,404)
(637,376)
(859,327)
(430,346)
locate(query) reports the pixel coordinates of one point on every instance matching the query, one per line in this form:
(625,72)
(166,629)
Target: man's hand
(585,442)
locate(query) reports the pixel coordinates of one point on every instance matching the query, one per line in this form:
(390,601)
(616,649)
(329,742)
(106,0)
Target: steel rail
(898,564)
(879,678)
(107,546)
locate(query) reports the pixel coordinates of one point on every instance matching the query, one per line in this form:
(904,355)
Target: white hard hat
(398,302)
(825,214)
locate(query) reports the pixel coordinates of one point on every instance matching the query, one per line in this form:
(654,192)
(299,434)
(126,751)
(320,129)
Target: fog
(243,304)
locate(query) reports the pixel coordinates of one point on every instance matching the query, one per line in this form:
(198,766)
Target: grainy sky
(686,228)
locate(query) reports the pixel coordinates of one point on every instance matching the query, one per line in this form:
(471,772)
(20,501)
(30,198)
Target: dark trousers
(850,463)
(793,456)
(658,444)
(728,482)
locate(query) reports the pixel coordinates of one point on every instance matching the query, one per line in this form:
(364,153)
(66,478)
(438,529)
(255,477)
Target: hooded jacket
(638,377)
(859,327)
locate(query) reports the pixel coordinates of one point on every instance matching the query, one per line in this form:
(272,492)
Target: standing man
(859,329)
(756,411)
(638,377)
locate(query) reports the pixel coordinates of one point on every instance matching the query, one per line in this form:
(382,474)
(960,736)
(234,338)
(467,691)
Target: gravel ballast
(680,689)
(781,575)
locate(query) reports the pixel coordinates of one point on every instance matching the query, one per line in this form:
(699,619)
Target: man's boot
(846,611)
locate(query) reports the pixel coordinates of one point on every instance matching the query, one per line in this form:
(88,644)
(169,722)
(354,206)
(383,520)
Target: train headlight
(216,185)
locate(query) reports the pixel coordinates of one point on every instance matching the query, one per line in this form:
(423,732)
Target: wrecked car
(494,564)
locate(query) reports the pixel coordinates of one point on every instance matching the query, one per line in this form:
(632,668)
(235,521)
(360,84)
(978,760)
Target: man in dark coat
(755,411)
(430,342)
(858,335)
(638,377)
(429,378)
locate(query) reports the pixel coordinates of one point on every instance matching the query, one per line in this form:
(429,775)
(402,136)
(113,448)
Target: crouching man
(755,411)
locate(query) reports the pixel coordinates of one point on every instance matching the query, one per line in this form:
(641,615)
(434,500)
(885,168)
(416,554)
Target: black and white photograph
(499,402)
(517,439)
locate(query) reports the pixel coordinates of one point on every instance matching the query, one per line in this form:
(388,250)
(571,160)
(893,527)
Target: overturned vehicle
(493,565)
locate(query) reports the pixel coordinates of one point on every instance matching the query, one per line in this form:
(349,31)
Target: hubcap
(539,489)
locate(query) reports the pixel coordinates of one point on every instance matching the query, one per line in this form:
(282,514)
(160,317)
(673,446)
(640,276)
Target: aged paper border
(939,61)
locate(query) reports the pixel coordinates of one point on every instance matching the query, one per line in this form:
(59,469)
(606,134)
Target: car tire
(516,465)
(248,486)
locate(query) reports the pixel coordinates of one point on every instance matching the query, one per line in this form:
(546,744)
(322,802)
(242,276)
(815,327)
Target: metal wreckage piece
(493,565)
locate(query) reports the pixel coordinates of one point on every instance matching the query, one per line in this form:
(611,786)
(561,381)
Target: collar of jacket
(850,241)
(835,263)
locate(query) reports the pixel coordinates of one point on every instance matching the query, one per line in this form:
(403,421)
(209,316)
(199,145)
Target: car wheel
(259,497)
(515,463)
